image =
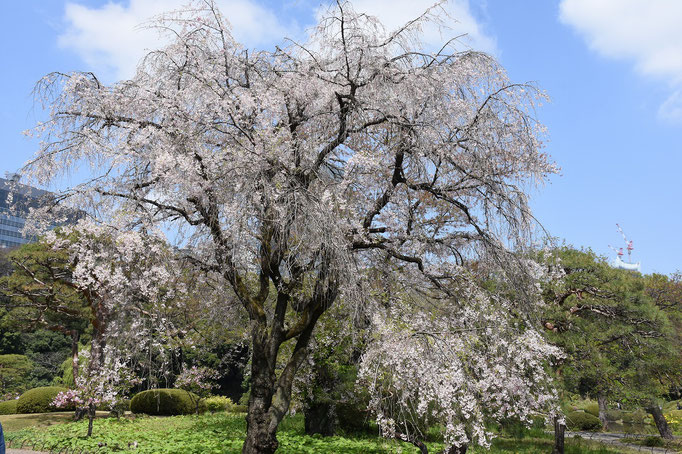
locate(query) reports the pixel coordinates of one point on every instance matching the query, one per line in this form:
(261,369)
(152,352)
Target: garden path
(24,451)
(613,439)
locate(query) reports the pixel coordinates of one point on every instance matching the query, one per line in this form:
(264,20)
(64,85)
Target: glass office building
(15,201)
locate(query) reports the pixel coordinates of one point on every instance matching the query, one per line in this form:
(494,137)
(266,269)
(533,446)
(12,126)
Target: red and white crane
(618,262)
(628,243)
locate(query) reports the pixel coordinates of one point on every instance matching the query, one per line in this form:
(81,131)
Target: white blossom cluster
(462,364)
(105,385)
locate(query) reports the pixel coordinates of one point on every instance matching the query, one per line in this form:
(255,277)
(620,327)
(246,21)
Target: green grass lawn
(13,423)
(223,433)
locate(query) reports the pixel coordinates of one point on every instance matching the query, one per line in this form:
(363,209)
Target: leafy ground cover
(224,432)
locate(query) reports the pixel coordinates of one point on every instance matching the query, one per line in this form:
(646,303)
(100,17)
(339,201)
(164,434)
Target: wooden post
(559,429)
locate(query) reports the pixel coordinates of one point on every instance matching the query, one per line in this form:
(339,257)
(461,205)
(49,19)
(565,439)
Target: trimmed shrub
(592,408)
(8,407)
(218,403)
(239,408)
(39,400)
(579,420)
(166,402)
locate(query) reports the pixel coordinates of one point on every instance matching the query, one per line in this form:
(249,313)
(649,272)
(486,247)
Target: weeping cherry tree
(293,173)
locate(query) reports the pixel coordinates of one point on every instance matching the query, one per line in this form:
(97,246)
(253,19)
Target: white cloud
(110,41)
(645,32)
(671,109)
(395,13)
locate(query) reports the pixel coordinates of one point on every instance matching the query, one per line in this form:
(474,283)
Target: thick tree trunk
(260,439)
(559,429)
(271,395)
(261,433)
(601,400)
(660,421)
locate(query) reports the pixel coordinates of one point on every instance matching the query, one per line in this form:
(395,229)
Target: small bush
(8,407)
(578,420)
(39,400)
(166,402)
(239,408)
(592,408)
(218,403)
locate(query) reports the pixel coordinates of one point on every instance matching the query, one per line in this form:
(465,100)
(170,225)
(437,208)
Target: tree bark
(661,423)
(91,418)
(559,429)
(261,436)
(271,395)
(601,400)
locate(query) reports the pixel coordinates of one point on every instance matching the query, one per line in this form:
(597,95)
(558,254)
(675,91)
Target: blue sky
(613,69)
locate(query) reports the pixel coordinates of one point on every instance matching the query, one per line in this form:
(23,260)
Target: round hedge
(579,420)
(39,400)
(8,407)
(166,402)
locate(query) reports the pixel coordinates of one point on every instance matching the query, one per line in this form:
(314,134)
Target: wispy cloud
(460,21)
(647,33)
(109,40)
